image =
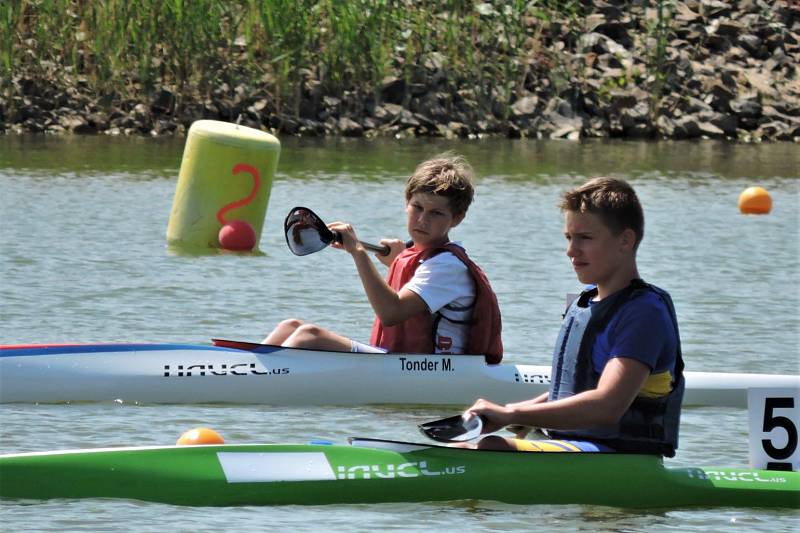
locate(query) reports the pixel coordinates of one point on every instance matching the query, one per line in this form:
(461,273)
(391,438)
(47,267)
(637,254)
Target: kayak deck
(373,471)
(245,373)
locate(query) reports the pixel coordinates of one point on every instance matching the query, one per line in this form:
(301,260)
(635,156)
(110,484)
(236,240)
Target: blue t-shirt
(642,330)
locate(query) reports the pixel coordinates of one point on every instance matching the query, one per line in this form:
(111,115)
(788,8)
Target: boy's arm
(521,431)
(539,399)
(620,382)
(391,307)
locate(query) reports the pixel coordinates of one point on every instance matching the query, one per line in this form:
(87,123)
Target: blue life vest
(650,425)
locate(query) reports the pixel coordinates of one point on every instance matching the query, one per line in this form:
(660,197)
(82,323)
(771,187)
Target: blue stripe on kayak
(105,348)
(587,446)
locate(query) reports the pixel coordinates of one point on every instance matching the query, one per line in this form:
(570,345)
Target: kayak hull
(262,374)
(373,471)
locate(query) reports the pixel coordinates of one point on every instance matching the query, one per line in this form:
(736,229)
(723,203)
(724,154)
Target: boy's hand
(349,242)
(395,247)
(495,416)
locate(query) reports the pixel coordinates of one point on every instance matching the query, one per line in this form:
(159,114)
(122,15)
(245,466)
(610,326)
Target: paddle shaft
(382,250)
(379,249)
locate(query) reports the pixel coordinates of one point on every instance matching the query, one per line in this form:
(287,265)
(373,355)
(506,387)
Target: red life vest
(417,333)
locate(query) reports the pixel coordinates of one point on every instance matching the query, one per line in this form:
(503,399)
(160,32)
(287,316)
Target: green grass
(127,48)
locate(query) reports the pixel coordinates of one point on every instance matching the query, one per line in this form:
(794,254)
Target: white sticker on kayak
(252,467)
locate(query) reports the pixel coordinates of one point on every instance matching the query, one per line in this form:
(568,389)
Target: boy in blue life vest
(617,375)
(434,299)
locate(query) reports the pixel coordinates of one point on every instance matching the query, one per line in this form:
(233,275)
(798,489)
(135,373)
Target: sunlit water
(82,225)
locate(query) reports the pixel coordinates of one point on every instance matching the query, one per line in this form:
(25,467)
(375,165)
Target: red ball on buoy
(200,436)
(237,235)
(755,201)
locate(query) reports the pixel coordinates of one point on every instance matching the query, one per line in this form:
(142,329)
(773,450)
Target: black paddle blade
(306,233)
(453,429)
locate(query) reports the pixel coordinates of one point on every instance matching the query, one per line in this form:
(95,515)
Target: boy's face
(429,219)
(598,256)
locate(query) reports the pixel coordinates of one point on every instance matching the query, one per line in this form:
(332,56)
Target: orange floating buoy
(200,436)
(755,201)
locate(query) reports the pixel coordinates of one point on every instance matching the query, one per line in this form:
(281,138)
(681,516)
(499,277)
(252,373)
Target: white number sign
(774,419)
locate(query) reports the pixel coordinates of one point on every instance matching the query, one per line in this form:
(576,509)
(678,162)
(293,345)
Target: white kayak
(247,373)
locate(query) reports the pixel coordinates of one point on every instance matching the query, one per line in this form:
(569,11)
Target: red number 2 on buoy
(238,169)
(238,234)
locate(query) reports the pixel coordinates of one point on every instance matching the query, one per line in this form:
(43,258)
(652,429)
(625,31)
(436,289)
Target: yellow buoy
(200,436)
(755,201)
(224,184)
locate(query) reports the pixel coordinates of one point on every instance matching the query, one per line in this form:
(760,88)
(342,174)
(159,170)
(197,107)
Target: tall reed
(659,35)
(126,48)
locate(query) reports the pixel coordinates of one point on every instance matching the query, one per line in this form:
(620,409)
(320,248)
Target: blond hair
(447,174)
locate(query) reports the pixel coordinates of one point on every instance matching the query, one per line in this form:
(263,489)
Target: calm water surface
(82,223)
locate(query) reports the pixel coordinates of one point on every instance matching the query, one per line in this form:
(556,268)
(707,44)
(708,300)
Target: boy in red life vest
(434,299)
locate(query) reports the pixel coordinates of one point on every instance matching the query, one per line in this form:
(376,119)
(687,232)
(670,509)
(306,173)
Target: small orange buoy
(200,436)
(755,201)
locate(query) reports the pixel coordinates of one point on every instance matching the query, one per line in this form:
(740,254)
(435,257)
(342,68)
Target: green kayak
(371,471)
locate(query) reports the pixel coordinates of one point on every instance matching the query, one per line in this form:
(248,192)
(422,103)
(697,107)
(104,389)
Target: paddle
(458,428)
(461,428)
(306,233)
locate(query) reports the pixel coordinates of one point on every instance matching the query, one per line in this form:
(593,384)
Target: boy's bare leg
(315,337)
(492,442)
(282,331)
(495,442)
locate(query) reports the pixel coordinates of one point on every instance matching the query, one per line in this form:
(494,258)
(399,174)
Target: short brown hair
(448,175)
(613,200)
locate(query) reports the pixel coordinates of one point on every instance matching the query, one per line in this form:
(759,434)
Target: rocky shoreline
(717,69)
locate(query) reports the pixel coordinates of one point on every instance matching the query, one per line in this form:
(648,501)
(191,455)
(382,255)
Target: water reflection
(522,159)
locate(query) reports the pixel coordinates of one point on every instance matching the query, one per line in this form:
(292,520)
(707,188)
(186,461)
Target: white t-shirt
(443,280)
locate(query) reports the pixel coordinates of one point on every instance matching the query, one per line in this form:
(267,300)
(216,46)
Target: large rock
(75,124)
(686,128)
(719,97)
(600,44)
(665,126)
(525,106)
(753,45)
(774,130)
(727,123)
(163,103)
(387,112)
(350,128)
(746,108)
(393,90)
(685,15)
(707,129)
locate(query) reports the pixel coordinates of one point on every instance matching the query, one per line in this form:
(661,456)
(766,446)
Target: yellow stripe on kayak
(544,446)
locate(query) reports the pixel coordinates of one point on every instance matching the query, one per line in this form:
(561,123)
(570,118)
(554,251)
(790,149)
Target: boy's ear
(457,219)
(628,238)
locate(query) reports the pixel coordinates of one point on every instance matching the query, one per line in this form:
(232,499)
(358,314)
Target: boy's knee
(307,331)
(494,442)
(291,323)
(305,336)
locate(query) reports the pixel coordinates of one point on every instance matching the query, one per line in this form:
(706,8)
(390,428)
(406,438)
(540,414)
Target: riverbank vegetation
(516,68)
